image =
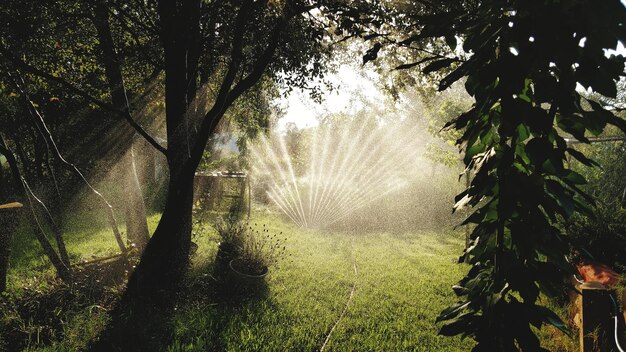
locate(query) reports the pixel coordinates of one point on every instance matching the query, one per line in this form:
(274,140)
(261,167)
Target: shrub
(232,235)
(259,250)
(602,236)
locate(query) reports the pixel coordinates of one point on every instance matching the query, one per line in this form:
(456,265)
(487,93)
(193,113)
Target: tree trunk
(166,256)
(151,288)
(9,219)
(136,225)
(145,165)
(150,294)
(135,212)
(5,247)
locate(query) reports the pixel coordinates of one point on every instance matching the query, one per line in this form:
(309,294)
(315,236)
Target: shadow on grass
(210,303)
(234,307)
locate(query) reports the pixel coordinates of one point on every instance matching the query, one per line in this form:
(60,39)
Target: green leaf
(455,75)
(413,64)
(574,177)
(473,151)
(451,41)
(538,150)
(582,158)
(461,324)
(452,311)
(438,65)
(551,318)
(461,121)
(372,53)
(564,199)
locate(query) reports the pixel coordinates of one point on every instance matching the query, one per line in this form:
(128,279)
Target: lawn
(402,281)
(376,291)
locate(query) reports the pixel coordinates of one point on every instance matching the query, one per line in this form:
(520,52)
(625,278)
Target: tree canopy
(525,64)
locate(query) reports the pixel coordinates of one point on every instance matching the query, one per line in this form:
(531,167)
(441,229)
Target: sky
(352,81)
(353,86)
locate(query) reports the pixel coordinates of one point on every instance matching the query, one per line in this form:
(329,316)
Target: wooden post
(242,194)
(7,213)
(201,184)
(596,332)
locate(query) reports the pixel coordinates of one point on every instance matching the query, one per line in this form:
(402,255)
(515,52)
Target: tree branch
(62,268)
(72,88)
(227,96)
(47,135)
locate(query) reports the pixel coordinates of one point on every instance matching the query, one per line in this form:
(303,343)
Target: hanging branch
(57,153)
(56,227)
(62,268)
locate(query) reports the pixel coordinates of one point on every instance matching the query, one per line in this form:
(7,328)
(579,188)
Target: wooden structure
(595,319)
(8,222)
(210,185)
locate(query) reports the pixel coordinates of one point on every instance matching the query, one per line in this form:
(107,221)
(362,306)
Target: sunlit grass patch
(402,283)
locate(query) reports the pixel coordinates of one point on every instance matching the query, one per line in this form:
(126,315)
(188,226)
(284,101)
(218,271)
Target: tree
(25,193)
(24,46)
(526,61)
(279,38)
(136,223)
(222,44)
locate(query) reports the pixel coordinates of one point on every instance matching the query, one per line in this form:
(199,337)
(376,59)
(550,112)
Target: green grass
(403,281)
(87,236)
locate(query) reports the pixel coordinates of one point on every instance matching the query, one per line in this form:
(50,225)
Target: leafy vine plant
(526,64)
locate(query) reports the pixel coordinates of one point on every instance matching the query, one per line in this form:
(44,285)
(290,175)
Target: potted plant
(231,233)
(258,251)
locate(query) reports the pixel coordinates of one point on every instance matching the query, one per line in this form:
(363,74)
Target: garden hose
(615,317)
(615,320)
(345,308)
(580,281)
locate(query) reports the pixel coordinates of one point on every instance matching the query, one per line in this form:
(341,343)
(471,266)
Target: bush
(603,237)
(232,235)
(243,258)
(255,250)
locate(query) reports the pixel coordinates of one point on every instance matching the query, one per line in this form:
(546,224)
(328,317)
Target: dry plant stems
(260,249)
(254,250)
(231,232)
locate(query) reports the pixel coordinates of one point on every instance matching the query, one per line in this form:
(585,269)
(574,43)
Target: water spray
(348,168)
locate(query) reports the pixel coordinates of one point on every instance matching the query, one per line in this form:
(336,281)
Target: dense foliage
(602,236)
(523,73)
